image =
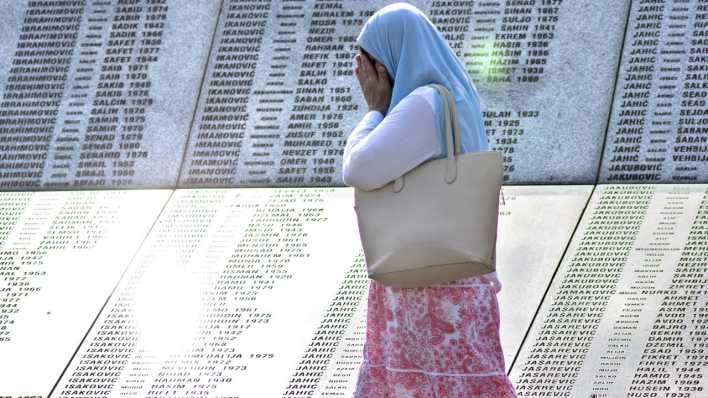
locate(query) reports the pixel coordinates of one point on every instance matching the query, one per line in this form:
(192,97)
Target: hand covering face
(415,53)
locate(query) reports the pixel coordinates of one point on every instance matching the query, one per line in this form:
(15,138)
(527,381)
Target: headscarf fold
(415,53)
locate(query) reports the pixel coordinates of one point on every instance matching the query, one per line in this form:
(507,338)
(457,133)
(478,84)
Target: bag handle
(451,131)
(450,101)
(452,137)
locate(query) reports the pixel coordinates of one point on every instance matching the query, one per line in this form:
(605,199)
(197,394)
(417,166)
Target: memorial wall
(121,274)
(99,94)
(61,255)
(658,130)
(246,292)
(627,313)
(116,94)
(279,96)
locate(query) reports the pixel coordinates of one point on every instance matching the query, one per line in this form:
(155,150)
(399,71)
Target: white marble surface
(231,285)
(535,225)
(61,255)
(255,256)
(626,310)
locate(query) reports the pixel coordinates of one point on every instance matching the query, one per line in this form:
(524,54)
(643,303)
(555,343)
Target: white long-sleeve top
(381,149)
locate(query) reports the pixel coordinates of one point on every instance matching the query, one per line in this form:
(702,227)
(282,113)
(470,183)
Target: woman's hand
(374,83)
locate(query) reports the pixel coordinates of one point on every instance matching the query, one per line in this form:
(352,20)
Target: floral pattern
(433,342)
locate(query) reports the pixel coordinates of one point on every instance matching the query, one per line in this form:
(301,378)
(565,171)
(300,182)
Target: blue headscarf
(415,53)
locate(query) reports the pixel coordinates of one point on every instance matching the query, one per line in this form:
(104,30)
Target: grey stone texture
(550,119)
(99,94)
(104,95)
(659,126)
(279,97)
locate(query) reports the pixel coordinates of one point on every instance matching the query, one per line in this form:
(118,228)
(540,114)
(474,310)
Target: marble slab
(546,97)
(99,94)
(626,312)
(279,97)
(61,255)
(227,296)
(658,131)
(225,272)
(535,226)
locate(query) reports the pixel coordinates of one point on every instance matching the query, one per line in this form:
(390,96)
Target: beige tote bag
(438,222)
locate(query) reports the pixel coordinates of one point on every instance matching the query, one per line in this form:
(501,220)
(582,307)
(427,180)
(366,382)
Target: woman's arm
(381,149)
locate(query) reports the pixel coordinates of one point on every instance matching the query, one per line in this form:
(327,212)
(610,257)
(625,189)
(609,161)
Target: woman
(443,340)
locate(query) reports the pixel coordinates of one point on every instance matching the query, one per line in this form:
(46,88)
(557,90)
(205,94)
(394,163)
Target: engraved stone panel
(659,126)
(233,291)
(626,315)
(263,292)
(545,70)
(61,255)
(279,96)
(99,94)
(535,226)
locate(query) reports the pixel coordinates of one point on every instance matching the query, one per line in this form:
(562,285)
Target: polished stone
(99,94)
(279,99)
(658,130)
(234,285)
(625,314)
(535,226)
(550,119)
(225,272)
(61,255)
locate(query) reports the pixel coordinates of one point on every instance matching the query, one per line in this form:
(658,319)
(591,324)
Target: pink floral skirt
(433,342)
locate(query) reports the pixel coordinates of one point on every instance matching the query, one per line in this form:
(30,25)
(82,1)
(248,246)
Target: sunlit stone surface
(61,255)
(535,226)
(627,313)
(231,293)
(248,285)
(261,292)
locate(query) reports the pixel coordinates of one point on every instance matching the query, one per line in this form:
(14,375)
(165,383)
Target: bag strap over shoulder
(456,128)
(452,136)
(452,131)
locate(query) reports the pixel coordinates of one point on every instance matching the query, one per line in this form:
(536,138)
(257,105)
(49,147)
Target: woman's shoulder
(426,92)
